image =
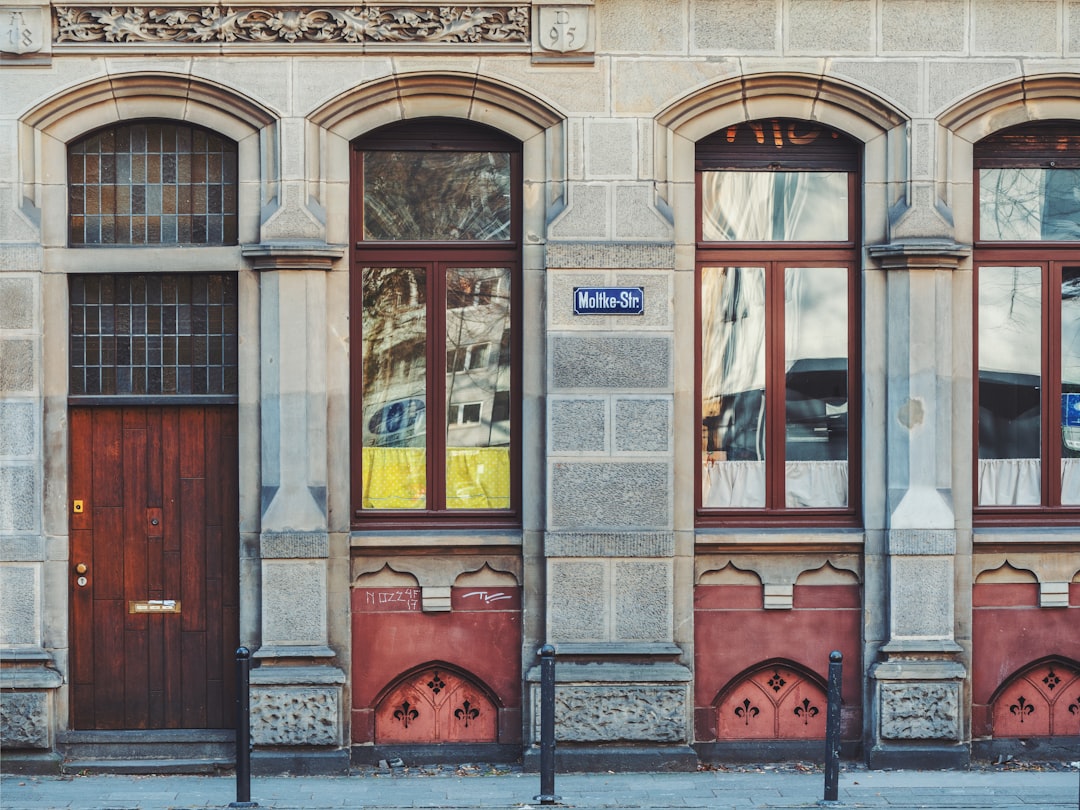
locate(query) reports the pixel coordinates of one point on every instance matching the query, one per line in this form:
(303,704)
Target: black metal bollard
(832,727)
(547,726)
(243,730)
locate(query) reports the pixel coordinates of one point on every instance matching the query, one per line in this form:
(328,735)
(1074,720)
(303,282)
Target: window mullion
(1052,371)
(436,387)
(775,393)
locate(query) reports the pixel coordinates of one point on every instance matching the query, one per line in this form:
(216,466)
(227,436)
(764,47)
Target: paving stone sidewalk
(480,788)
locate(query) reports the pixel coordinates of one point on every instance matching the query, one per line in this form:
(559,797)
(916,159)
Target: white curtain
(741,484)
(1016,481)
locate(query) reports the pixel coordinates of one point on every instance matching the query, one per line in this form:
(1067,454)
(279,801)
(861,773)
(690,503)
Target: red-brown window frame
(1050,144)
(713,155)
(1052,262)
(437,257)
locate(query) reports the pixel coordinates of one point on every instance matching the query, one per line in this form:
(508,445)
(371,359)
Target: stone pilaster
(297,714)
(622,691)
(917,683)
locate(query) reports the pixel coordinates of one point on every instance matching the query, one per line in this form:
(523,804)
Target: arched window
(152,183)
(435,281)
(778,367)
(1027,290)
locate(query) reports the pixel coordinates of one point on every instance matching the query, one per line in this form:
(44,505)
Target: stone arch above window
(436,703)
(1011,103)
(405,97)
(774,700)
(46,130)
(1041,700)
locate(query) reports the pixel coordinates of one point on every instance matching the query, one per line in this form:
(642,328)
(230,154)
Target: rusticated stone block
(24,720)
(920,711)
(295,716)
(17,303)
(610,361)
(616,713)
(643,600)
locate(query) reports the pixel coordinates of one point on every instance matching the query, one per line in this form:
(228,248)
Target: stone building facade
(764,310)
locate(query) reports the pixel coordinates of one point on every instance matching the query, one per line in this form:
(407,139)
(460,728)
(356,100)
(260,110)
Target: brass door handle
(81,568)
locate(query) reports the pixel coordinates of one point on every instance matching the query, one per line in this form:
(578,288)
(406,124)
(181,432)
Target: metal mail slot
(155,606)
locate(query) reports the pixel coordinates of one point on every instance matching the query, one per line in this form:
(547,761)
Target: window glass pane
(1029,204)
(733,386)
(816,407)
(472,190)
(477,433)
(128,183)
(132,331)
(1010,385)
(774,206)
(1070,386)
(394,388)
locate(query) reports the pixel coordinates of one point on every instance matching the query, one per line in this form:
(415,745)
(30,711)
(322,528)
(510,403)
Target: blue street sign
(609,300)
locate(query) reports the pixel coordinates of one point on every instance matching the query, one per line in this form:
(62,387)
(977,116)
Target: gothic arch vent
(777,700)
(436,704)
(1041,700)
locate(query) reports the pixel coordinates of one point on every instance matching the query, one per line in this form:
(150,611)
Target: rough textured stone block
(616,713)
(19,257)
(899,81)
(576,600)
(643,600)
(637,90)
(950,81)
(831,26)
(627,495)
(920,711)
(636,217)
(294,545)
(19,495)
(577,425)
(609,544)
(923,26)
(294,602)
(611,149)
(641,26)
(922,597)
(587,215)
(610,361)
(16,303)
(1027,27)
(18,436)
(24,720)
(306,715)
(1073,13)
(16,366)
(19,615)
(735,25)
(909,542)
(633,255)
(642,425)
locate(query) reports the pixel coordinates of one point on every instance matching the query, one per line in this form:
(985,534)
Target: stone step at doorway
(146,752)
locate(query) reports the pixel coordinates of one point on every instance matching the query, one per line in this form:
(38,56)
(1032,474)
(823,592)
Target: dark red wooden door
(154,566)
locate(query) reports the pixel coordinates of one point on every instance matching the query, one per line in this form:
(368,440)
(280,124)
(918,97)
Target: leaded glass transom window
(153,335)
(152,183)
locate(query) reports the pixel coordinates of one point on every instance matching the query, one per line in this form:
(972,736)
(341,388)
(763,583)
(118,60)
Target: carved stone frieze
(617,713)
(326,24)
(920,711)
(295,716)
